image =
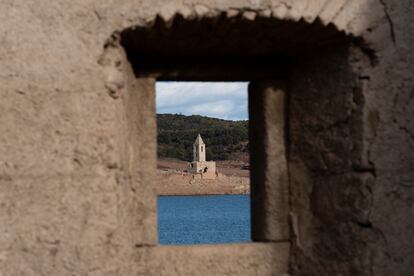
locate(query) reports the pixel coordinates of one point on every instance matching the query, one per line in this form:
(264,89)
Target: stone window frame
(269,186)
(268,240)
(264,94)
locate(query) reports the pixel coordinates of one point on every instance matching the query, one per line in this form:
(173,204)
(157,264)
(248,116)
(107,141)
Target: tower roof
(198,140)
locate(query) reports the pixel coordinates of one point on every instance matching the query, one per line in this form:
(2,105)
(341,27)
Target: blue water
(203,219)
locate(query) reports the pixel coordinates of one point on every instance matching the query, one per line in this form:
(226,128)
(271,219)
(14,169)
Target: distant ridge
(224,139)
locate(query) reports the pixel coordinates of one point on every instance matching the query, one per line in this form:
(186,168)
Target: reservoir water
(203,219)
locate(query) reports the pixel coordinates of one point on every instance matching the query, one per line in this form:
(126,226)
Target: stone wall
(77,155)
(331,176)
(350,165)
(204,167)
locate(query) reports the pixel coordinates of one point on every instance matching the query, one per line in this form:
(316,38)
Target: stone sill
(222,259)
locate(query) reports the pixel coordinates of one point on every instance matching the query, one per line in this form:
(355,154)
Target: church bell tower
(199,150)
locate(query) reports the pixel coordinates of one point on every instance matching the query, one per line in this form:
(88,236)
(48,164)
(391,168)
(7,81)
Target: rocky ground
(233,178)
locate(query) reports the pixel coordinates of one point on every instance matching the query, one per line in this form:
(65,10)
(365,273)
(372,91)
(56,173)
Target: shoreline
(182,184)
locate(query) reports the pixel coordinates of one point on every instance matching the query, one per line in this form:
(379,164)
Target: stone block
(59,224)
(49,132)
(224,259)
(269,179)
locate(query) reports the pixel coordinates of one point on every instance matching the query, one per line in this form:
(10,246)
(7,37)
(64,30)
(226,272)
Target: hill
(224,139)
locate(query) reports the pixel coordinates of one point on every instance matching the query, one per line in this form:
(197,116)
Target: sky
(224,100)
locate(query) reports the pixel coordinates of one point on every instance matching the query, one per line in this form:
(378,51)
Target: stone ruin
(206,169)
(331,111)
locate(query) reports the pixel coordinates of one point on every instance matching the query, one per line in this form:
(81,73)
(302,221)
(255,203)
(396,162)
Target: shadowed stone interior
(222,48)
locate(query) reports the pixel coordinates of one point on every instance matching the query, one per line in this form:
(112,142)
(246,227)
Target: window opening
(202,181)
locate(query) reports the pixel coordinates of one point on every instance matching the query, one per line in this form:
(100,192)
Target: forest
(223,138)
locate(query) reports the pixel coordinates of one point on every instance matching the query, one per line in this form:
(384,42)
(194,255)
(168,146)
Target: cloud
(219,108)
(226,100)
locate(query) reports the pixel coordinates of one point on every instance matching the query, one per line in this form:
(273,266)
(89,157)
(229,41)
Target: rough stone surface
(235,259)
(330,192)
(333,175)
(77,148)
(269,181)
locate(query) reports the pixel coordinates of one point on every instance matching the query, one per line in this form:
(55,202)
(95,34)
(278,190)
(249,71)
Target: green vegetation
(177,133)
